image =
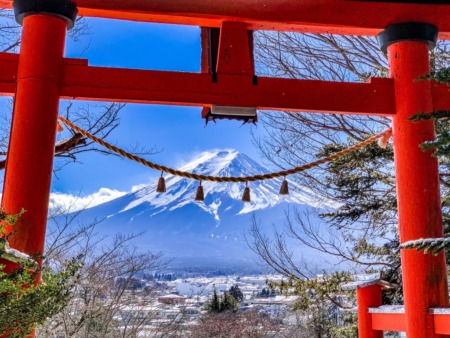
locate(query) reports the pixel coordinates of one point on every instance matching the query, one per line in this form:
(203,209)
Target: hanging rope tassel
(284,190)
(200,196)
(383,141)
(246,194)
(161,184)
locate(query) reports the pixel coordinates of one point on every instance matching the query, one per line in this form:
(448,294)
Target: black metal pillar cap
(408,31)
(64,9)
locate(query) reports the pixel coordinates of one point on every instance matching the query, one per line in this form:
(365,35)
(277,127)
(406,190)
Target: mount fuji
(202,233)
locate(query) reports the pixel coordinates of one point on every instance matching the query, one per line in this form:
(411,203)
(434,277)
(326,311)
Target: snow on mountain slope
(175,224)
(221,163)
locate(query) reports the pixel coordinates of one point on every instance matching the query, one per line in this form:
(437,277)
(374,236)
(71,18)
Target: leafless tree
(10,31)
(107,290)
(98,119)
(296,138)
(293,139)
(249,324)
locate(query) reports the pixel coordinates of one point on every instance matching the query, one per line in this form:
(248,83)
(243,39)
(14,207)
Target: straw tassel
(161,184)
(59,127)
(383,141)
(200,196)
(246,195)
(284,190)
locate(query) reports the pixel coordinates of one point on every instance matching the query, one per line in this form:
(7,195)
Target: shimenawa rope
(434,245)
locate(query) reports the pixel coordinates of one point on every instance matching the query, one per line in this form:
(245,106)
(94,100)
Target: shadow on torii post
(40,75)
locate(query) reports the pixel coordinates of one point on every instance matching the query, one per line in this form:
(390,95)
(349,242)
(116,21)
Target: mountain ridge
(177,225)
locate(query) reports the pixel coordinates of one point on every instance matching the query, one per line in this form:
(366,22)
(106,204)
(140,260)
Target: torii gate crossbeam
(40,75)
(351,17)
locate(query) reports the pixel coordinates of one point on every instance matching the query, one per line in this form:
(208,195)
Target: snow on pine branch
(433,245)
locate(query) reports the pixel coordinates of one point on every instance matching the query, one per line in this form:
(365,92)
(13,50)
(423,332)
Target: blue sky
(178,131)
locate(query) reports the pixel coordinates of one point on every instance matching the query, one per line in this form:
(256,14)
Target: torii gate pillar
(33,132)
(419,207)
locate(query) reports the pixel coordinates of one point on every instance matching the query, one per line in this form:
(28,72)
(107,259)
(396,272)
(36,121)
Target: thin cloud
(64,203)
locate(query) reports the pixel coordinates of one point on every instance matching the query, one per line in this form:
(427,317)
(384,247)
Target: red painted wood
(144,86)
(424,276)
(206,59)
(388,322)
(205,43)
(80,81)
(442,323)
(8,74)
(367,297)
(376,99)
(379,94)
(235,50)
(314,16)
(30,154)
(441,96)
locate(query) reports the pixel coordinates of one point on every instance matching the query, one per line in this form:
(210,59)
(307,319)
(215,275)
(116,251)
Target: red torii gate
(40,75)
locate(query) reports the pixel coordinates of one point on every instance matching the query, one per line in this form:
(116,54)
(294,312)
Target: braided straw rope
(244,179)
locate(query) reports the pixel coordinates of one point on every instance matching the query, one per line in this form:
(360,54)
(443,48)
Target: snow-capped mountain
(199,232)
(220,163)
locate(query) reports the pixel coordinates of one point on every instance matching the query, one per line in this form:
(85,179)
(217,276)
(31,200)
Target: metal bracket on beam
(244,114)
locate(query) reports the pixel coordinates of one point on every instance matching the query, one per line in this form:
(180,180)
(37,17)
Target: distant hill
(209,233)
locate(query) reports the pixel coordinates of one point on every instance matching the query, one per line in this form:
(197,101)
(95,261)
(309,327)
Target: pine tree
(225,303)
(228,303)
(23,303)
(236,293)
(213,305)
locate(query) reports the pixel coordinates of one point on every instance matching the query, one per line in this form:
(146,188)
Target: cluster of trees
(224,303)
(236,293)
(268,292)
(315,319)
(224,319)
(229,301)
(85,283)
(165,277)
